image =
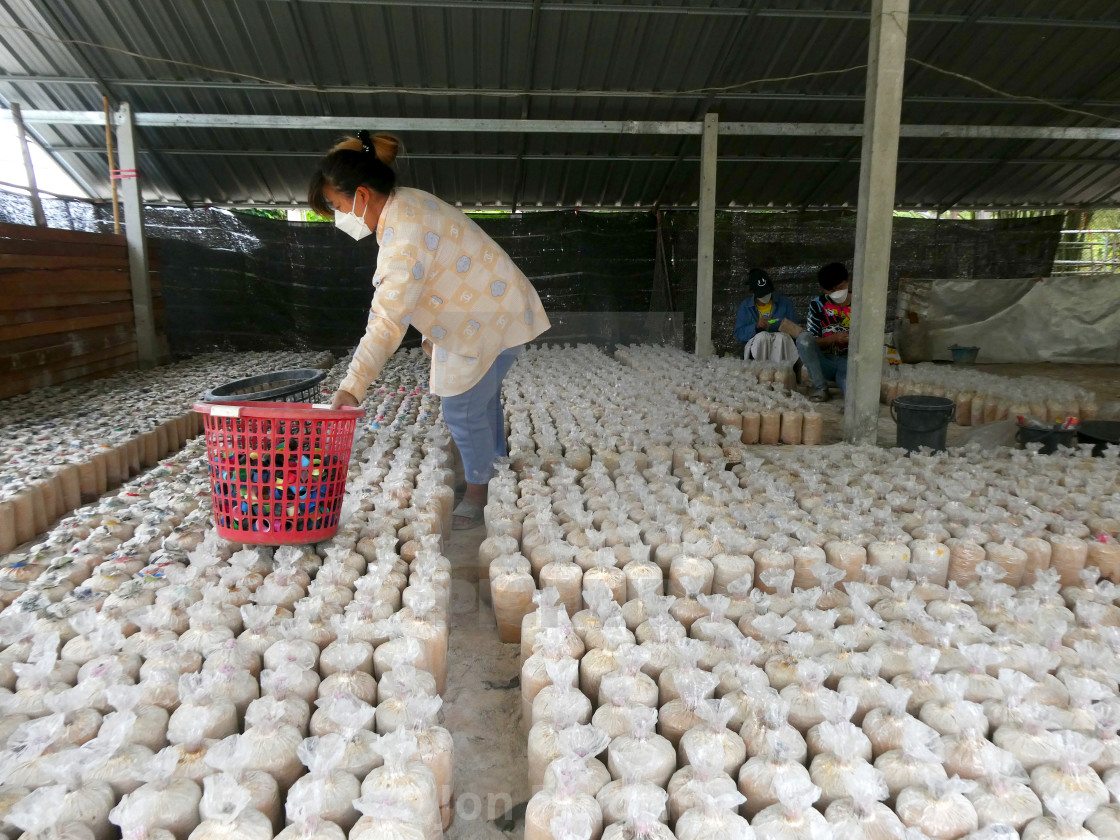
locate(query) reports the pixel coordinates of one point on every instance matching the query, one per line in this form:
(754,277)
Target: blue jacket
(747,319)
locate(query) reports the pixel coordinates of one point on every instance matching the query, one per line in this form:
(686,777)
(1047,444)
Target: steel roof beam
(725,11)
(507,126)
(254,121)
(542,158)
(588,158)
(249,86)
(959,132)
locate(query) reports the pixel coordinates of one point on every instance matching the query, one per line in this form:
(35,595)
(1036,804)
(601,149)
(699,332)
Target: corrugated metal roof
(577,60)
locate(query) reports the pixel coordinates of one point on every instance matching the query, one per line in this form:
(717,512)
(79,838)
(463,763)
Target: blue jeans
(477,422)
(821,366)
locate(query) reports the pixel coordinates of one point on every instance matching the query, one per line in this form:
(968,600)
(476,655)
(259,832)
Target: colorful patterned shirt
(439,272)
(827,317)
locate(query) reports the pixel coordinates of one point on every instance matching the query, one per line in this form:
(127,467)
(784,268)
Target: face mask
(838,296)
(764,299)
(351,225)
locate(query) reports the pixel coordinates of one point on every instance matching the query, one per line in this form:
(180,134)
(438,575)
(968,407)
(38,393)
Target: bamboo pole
(32,187)
(112,169)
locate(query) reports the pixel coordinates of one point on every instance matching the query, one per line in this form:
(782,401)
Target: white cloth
(771,346)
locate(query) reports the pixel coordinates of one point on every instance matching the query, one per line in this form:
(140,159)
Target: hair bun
(386,147)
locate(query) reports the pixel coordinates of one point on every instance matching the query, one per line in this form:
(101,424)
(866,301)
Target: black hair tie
(367,141)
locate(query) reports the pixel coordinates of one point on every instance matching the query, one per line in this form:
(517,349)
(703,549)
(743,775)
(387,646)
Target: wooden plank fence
(66,307)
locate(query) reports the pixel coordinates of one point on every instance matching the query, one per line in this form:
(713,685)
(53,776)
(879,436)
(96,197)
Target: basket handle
(952,413)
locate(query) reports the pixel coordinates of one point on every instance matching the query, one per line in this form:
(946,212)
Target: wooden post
(36,204)
(142,310)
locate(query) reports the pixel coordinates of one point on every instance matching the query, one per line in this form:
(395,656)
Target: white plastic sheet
(1064,318)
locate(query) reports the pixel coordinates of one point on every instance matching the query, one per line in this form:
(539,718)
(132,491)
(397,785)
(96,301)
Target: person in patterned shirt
(439,272)
(823,344)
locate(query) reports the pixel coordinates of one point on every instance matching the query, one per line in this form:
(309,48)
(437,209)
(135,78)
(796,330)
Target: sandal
(467,510)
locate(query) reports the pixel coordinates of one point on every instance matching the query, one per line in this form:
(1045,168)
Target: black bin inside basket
(1100,433)
(300,386)
(1050,439)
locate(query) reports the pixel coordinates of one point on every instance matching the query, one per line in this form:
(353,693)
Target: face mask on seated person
(764,299)
(838,295)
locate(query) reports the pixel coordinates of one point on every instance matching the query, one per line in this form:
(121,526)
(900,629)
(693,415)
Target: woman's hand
(344,399)
(427,347)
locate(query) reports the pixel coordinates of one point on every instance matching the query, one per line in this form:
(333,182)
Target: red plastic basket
(277,469)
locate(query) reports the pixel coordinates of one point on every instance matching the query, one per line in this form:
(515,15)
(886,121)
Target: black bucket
(1050,439)
(1100,433)
(922,421)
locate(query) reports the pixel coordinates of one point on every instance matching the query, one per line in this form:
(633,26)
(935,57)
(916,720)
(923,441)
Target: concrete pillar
(705,248)
(886,65)
(142,310)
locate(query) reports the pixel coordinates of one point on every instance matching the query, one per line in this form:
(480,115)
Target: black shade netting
(237,281)
(792,247)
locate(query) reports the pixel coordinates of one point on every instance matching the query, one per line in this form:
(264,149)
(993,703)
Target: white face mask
(765,299)
(351,225)
(838,296)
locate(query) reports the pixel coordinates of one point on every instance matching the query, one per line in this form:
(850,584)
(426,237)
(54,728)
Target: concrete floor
(482,705)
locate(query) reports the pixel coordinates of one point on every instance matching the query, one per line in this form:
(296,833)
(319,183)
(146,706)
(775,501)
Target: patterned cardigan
(439,272)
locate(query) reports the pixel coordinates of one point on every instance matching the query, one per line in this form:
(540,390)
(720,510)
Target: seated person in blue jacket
(823,344)
(759,318)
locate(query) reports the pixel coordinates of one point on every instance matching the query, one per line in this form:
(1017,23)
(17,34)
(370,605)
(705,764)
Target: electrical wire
(295,86)
(1020,97)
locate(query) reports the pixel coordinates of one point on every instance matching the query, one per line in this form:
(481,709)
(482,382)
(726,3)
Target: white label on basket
(225,411)
(320,405)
